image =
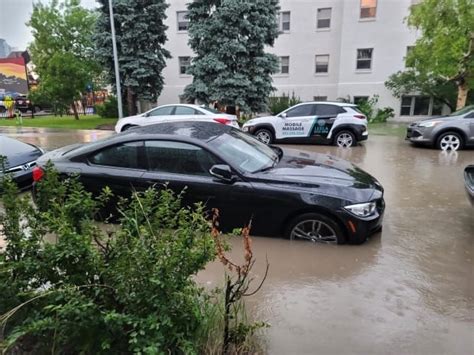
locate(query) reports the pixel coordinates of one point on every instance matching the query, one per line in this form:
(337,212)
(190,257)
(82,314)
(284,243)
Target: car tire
(345,139)
(264,135)
(315,227)
(127,127)
(450,141)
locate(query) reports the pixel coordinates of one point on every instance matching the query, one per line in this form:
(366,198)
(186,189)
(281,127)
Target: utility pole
(116,63)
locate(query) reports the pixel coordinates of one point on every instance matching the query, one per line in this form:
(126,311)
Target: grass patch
(388,129)
(68,122)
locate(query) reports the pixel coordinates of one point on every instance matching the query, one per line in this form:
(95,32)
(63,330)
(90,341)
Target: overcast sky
(13,16)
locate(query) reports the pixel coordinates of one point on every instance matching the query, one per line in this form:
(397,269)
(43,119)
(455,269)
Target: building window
(284,65)
(420,106)
(407,64)
(284,21)
(322,63)
(364,58)
(183,20)
(320,98)
(184,63)
(324,18)
(360,99)
(368,8)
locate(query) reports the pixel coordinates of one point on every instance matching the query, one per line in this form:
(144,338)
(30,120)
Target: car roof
(335,103)
(185,105)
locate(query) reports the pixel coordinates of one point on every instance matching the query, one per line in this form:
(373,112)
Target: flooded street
(408,290)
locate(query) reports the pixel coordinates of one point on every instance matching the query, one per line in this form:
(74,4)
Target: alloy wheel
(450,142)
(264,137)
(344,140)
(315,231)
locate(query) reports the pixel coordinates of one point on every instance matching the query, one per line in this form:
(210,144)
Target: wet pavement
(408,290)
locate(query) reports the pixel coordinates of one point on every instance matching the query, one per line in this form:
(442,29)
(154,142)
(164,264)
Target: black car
(284,192)
(469,182)
(20,158)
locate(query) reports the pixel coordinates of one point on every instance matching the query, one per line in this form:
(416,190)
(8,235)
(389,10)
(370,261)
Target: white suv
(336,123)
(175,113)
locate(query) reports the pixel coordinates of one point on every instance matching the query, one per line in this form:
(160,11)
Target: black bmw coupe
(284,192)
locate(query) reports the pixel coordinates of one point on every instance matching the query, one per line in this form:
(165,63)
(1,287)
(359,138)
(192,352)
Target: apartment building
(328,50)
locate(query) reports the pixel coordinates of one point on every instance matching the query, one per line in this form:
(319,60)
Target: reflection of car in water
(325,122)
(284,192)
(469,182)
(452,132)
(20,160)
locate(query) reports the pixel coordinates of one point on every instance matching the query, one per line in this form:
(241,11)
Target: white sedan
(175,113)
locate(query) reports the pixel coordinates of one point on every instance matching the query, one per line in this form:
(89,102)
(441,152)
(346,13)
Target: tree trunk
(74,108)
(131,102)
(463,90)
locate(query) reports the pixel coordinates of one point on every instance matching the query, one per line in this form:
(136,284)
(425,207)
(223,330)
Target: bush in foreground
(69,286)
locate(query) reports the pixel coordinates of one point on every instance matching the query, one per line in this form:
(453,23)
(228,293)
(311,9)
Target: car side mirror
(283,115)
(222,172)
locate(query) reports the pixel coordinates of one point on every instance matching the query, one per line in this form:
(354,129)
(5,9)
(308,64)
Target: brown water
(408,290)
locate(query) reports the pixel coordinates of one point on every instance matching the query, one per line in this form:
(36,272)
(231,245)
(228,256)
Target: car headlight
(362,209)
(429,124)
(246,128)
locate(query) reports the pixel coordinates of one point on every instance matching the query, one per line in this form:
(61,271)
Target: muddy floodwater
(408,290)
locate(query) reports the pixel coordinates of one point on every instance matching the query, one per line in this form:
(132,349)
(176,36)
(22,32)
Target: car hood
(17,153)
(324,174)
(442,119)
(258,120)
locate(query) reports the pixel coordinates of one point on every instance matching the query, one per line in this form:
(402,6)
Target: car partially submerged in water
(19,159)
(469,182)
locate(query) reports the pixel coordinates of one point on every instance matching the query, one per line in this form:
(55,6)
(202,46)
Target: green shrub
(68,285)
(108,109)
(278,104)
(374,114)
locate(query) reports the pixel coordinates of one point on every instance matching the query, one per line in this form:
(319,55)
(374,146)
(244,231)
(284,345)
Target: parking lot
(409,289)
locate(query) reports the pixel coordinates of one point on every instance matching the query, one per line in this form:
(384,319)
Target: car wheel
(344,139)
(316,228)
(450,141)
(264,135)
(127,127)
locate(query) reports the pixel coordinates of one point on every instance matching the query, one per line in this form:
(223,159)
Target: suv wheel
(450,141)
(345,139)
(316,228)
(264,135)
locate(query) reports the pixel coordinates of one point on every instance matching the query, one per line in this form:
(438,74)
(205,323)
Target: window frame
(148,169)
(365,60)
(318,28)
(186,107)
(362,8)
(173,108)
(316,64)
(180,65)
(178,21)
(140,161)
(281,22)
(431,106)
(280,65)
(312,113)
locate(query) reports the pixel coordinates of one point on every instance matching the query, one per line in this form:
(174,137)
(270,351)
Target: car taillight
(362,117)
(223,120)
(38,173)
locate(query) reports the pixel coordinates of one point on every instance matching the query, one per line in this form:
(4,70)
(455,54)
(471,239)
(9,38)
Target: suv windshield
(244,151)
(462,111)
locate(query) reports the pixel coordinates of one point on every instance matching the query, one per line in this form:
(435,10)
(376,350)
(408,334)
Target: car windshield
(462,111)
(244,151)
(208,109)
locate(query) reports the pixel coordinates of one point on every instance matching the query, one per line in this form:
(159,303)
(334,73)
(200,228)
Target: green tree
(62,50)
(443,56)
(140,35)
(229,39)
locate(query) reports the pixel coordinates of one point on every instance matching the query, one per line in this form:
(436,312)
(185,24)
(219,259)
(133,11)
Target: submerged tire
(315,227)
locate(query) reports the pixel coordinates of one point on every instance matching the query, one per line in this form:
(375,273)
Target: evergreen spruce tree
(141,35)
(229,39)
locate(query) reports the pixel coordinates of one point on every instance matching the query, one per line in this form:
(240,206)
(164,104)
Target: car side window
(328,110)
(302,110)
(470,115)
(178,158)
(162,111)
(184,110)
(125,155)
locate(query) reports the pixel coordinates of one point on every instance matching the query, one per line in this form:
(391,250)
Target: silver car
(452,132)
